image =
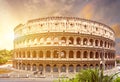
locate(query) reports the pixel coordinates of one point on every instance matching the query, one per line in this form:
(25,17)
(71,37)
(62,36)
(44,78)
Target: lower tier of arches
(48,67)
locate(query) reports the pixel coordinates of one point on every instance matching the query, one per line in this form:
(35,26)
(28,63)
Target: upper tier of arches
(64,24)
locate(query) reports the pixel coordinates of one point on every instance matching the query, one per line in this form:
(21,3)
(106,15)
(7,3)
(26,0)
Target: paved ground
(14,76)
(25,80)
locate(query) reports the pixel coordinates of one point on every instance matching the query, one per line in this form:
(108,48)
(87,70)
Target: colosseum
(63,45)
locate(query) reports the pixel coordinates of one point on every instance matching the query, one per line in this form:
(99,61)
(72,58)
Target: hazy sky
(14,12)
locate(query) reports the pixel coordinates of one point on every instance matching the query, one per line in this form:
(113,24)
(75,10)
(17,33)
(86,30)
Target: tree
(5,55)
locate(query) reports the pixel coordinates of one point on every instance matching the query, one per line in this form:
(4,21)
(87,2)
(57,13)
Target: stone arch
(28,67)
(48,54)
(23,66)
(78,40)
(91,42)
(96,42)
(63,40)
(23,54)
(28,54)
(71,40)
(101,43)
(71,68)
(55,68)
(56,40)
(78,68)
(85,54)
(48,40)
(85,41)
(85,66)
(91,66)
(108,44)
(34,67)
(40,67)
(63,68)
(35,41)
(91,54)
(96,66)
(78,54)
(41,40)
(40,54)
(34,54)
(48,68)
(63,54)
(55,54)
(105,44)
(106,55)
(20,54)
(96,55)
(71,53)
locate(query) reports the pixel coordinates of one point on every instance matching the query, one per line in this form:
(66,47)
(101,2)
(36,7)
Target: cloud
(116,29)
(87,11)
(104,11)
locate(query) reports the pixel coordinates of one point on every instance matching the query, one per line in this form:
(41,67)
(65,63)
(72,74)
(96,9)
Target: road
(25,80)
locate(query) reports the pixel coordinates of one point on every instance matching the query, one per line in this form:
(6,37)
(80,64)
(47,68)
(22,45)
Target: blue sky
(13,12)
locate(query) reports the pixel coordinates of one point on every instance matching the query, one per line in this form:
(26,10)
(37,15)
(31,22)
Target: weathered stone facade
(55,45)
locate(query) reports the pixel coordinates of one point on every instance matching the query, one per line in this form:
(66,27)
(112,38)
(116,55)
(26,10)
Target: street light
(102,65)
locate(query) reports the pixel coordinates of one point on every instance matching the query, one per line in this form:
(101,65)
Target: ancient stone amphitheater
(63,45)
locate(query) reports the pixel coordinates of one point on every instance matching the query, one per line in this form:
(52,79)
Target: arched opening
(84,66)
(63,68)
(105,44)
(34,54)
(71,54)
(63,40)
(63,54)
(71,68)
(96,55)
(40,67)
(85,54)
(108,44)
(56,40)
(71,40)
(91,66)
(48,54)
(78,41)
(34,68)
(41,40)
(35,41)
(23,54)
(55,68)
(48,69)
(40,54)
(96,66)
(55,54)
(23,66)
(19,54)
(105,55)
(85,41)
(91,42)
(101,43)
(78,68)
(78,54)
(28,54)
(48,40)
(20,66)
(108,54)
(91,54)
(28,67)
(96,42)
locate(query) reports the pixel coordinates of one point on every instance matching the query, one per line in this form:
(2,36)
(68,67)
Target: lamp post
(102,65)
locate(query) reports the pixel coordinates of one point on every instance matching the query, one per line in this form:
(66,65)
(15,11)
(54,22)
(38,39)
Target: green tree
(90,75)
(5,55)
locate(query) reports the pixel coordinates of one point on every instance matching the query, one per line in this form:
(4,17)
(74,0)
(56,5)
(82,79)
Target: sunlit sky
(14,12)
